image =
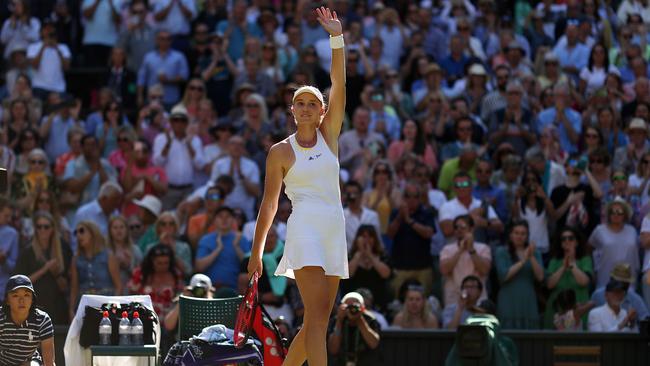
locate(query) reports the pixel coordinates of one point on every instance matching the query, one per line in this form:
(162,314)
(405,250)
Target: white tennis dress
(316,227)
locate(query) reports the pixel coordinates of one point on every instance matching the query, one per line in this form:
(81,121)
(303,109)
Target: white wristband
(336,42)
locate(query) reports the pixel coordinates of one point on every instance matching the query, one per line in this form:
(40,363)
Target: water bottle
(137,330)
(105,330)
(125,330)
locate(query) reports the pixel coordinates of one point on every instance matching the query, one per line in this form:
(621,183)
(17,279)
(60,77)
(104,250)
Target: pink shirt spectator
(117,160)
(463,268)
(130,208)
(396,150)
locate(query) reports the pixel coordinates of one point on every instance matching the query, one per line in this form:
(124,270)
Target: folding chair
(197,313)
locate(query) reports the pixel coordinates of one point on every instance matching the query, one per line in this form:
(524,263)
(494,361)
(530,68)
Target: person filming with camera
(355,333)
(200,287)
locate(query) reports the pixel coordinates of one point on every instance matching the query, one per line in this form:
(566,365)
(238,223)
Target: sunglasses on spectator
(381,171)
(196,87)
(617,211)
(463,184)
(619,177)
(37,162)
(596,161)
(79,230)
(43,227)
(567,238)
(411,195)
(123,139)
(591,136)
(213,197)
(167,223)
(460,227)
(135,227)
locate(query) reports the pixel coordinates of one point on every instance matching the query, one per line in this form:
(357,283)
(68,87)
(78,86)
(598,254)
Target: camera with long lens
(199,291)
(353,308)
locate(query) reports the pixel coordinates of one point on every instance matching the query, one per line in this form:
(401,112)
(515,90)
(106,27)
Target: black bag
(89,335)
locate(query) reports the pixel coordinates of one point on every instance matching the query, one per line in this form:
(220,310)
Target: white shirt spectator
(19,35)
(393,45)
(179,164)
(49,75)
(352,223)
(100,29)
(595,78)
(175,23)
(238,198)
(453,208)
(437,198)
(603,319)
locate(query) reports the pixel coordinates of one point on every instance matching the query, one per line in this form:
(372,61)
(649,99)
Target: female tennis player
(315,251)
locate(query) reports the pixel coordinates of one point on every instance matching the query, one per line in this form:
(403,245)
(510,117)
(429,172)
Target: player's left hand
(329,21)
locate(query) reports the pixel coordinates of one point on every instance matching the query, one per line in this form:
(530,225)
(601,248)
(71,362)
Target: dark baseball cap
(19,281)
(615,285)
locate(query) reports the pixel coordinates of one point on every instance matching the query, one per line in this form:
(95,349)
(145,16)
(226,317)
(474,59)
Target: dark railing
(535,348)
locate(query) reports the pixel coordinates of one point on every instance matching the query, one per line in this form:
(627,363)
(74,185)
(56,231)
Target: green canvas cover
(479,343)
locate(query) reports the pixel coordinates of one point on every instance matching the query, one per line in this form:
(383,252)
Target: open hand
(329,21)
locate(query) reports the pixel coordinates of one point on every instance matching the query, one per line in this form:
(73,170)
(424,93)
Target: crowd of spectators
(495,155)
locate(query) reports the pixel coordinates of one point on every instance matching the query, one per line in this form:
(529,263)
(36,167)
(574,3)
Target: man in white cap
(200,286)
(627,158)
(150,208)
(354,333)
(180,154)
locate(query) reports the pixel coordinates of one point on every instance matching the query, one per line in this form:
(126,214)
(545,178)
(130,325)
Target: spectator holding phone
(48,76)
(467,304)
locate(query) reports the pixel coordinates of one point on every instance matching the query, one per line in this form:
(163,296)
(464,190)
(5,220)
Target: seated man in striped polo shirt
(23,328)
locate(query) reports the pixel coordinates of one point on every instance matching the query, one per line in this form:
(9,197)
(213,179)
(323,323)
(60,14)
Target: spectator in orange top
(74,140)
(203,223)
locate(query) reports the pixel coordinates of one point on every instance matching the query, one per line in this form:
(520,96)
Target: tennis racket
(246,313)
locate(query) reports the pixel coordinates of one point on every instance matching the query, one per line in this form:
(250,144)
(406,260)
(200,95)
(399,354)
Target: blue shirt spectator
(549,116)
(100,26)
(8,245)
(224,269)
(234,31)
(56,127)
(174,16)
(166,66)
(568,123)
(77,176)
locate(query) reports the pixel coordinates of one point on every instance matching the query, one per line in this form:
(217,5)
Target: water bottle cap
(125,314)
(136,314)
(105,314)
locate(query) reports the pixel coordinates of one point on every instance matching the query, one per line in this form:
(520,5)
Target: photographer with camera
(201,287)
(354,335)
